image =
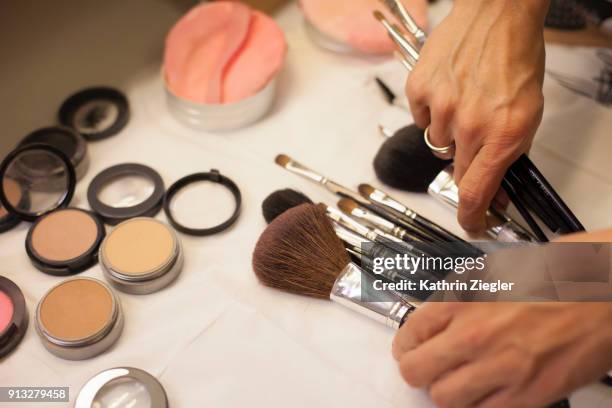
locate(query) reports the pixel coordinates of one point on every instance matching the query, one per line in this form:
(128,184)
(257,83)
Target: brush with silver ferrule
(384,199)
(300,253)
(399,11)
(407,49)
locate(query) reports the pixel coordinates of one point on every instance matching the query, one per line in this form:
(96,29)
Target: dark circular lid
(96,113)
(124,205)
(74,225)
(11,335)
(36,179)
(188,181)
(62,138)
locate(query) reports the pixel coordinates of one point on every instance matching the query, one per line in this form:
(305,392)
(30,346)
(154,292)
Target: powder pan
(65,242)
(16,324)
(141,256)
(79,318)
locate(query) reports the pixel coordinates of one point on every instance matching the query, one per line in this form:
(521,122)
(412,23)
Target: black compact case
(12,335)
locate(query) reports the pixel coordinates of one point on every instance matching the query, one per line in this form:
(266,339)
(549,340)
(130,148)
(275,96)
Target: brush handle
(532,175)
(419,232)
(522,209)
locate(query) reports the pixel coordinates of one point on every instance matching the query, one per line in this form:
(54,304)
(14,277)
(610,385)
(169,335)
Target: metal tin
(96,385)
(222,117)
(151,281)
(88,347)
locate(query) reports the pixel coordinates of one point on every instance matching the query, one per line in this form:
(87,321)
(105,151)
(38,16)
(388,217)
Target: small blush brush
(280,201)
(300,253)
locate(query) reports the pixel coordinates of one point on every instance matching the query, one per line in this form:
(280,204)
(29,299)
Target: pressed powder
(6,311)
(141,255)
(65,241)
(14,195)
(79,318)
(13,316)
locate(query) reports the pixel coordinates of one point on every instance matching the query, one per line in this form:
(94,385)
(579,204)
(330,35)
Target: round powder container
(126,191)
(141,256)
(122,387)
(67,141)
(13,316)
(65,242)
(221,61)
(95,113)
(79,318)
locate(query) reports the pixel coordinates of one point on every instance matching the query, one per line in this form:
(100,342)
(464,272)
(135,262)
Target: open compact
(38,182)
(141,256)
(126,191)
(95,113)
(13,316)
(79,318)
(122,387)
(65,139)
(14,194)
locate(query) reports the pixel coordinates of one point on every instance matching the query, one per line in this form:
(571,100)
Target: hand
(504,355)
(478,83)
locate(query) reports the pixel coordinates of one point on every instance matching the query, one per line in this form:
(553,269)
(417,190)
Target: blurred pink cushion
(222,52)
(351,21)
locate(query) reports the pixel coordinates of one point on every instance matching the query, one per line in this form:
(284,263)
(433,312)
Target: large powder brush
(300,253)
(405,162)
(280,201)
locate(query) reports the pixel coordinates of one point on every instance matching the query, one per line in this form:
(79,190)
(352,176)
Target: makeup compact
(79,318)
(122,387)
(65,241)
(13,316)
(126,191)
(347,26)
(141,256)
(95,113)
(65,139)
(36,180)
(221,62)
(14,194)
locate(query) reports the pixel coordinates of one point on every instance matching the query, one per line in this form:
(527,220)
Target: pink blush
(6,311)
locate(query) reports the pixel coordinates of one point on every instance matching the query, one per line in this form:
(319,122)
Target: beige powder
(12,193)
(64,235)
(139,246)
(76,309)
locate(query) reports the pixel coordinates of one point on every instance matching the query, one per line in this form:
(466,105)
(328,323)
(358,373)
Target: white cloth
(216,337)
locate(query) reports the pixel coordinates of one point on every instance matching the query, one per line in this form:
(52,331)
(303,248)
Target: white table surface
(216,337)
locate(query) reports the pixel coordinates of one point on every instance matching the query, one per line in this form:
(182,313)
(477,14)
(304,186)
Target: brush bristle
(282,160)
(366,190)
(280,201)
(300,253)
(405,162)
(378,15)
(347,206)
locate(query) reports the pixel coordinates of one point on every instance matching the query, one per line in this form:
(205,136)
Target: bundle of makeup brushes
(524,184)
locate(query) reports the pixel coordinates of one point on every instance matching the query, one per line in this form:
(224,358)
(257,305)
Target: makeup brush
(390,96)
(300,253)
(396,7)
(404,161)
(295,167)
(382,198)
(280,201)
(405,46)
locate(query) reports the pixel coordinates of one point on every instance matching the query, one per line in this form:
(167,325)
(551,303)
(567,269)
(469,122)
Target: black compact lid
(96,113)
(11,336)
(72,266)
(186,182)
(36,179)
(115,213)
(62,138)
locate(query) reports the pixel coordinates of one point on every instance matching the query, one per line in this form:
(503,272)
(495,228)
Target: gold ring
(445,153)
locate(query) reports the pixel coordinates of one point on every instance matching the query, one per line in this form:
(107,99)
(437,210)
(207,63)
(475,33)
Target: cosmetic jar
(79,318)
(126,191)
(95,113)
(141,256)
(65,241)
(222,76)
(67,141)
(13,316)
(36,180)
(13,194)
(347,26)
(122,387)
